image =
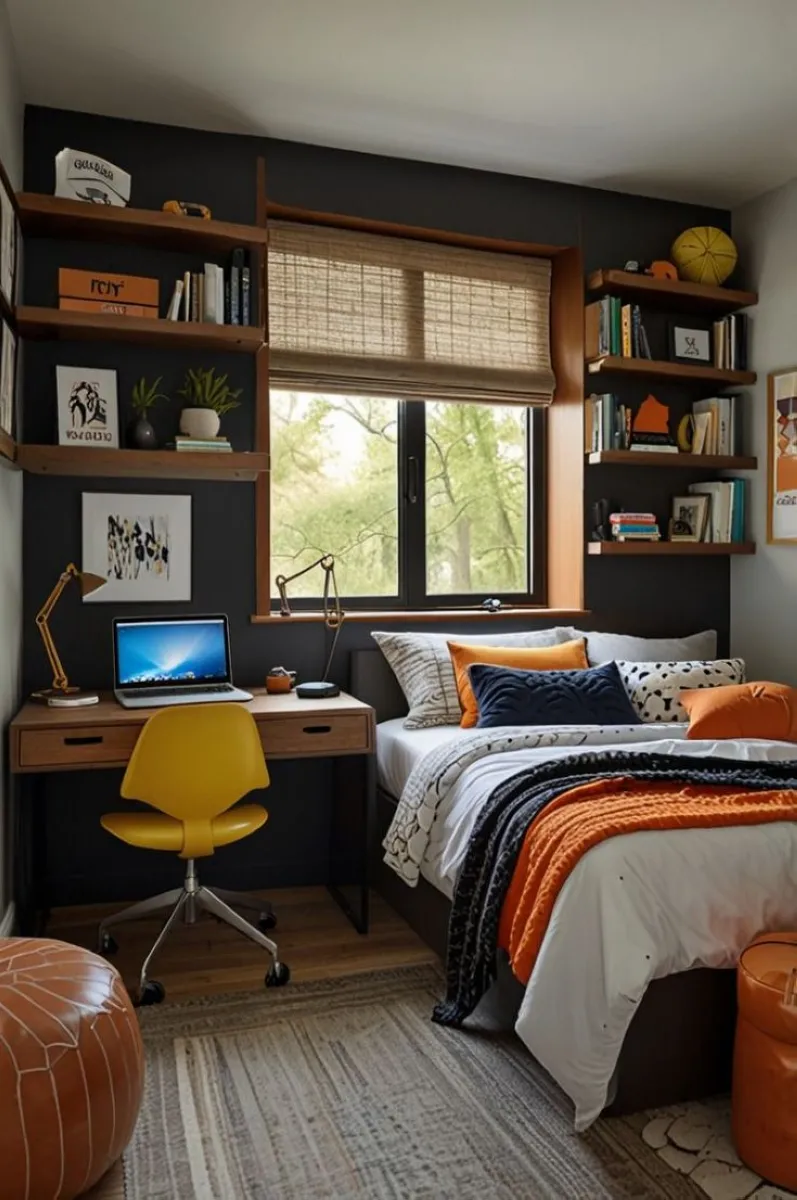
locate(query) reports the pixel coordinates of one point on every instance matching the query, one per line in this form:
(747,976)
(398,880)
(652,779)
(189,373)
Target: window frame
(411,557)
(562,511)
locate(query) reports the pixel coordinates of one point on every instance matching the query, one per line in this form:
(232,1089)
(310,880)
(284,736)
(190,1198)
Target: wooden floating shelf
(8,449)
(667,293)
(141,464)
(51,216)
(701,548)
(667,370)
(651,458)
(82,326)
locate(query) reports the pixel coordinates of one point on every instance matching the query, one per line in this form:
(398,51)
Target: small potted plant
(140,433)
(208,397)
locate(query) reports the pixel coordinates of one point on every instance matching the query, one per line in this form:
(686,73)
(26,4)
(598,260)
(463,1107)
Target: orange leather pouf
(765,1059)
(71,1069)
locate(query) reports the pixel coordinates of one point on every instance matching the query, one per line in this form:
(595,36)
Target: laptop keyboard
(191,690)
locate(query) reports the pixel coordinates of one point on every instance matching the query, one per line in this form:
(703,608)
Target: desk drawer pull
(317,729)
(88,740)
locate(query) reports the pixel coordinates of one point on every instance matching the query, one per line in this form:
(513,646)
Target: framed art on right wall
(782,457)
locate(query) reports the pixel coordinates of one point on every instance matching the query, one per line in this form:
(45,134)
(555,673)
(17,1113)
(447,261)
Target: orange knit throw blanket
(579,819)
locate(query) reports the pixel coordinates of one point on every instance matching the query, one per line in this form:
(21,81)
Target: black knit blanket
(498,835)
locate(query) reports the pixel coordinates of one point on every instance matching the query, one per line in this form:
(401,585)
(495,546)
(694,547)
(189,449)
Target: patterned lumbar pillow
(422,664)
(654,687)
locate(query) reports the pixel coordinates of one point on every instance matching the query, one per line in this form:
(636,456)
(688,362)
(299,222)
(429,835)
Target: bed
(674,1039)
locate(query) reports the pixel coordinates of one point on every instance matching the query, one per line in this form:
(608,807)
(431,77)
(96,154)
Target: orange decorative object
(661,269)
(765,1059)
(71,1069)
(653,417)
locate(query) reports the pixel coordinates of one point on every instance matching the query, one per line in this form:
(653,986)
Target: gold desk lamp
(333,619)
(61,694)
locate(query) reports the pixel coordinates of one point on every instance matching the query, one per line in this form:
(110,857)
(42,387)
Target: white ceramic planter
(199,422)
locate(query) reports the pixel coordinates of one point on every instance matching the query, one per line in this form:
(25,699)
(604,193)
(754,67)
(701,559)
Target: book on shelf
(173,312)
(625,325)
(614,328)
(717,425)
(634,526)
(217,445)
(607,423)
(727,510)
(730,342)
(216,296)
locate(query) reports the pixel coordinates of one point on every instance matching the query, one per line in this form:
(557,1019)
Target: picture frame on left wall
(8,377)
(9,242)
(140,544)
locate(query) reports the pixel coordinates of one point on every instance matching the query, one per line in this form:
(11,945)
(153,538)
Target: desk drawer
(91,746)
(303,736)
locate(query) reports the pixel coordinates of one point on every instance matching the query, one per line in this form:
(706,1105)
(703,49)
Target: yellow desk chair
(192,763)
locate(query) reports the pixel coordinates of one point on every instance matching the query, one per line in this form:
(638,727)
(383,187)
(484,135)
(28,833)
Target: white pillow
(655,687)
(422,664)
(603,647)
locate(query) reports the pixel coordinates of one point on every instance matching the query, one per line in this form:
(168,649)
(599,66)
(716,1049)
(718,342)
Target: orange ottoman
(765,1059)
(71,1069)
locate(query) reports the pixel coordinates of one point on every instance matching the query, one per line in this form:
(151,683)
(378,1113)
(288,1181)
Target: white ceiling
(686,99)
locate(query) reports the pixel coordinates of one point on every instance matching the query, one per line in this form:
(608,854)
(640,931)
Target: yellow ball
(704,255)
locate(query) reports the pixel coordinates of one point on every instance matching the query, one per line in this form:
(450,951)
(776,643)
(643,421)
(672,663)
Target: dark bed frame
(679,1045)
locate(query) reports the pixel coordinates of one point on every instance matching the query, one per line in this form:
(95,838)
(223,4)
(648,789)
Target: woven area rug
(346,1089)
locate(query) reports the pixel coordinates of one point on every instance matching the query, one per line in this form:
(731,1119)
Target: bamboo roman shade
(391,316)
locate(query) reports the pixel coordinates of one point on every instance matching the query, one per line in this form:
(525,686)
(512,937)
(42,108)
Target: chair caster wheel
(107,945)
(151,993)
(278,974)
(266,921)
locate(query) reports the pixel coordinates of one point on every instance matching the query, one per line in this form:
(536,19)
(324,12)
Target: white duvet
(636,907)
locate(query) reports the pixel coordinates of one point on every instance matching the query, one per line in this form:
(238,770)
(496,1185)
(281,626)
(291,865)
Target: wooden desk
(44,740)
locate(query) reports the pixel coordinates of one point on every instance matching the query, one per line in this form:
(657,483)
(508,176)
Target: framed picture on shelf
(9,240)
(8,377)
(689,516)
(88,411)
(782,456)
(140,544)
(690,344)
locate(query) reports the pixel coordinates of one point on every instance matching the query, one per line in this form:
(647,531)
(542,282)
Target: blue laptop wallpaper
(171,652)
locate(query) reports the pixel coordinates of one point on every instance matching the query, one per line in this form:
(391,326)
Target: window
(422,504)
(408,381)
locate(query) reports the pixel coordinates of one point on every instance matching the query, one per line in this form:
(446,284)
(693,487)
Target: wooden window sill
(435,614)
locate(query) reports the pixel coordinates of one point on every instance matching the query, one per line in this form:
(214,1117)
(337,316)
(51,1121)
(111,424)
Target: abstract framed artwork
(8,367)
(9,238)
(140,544)
(88,412)
(782,457)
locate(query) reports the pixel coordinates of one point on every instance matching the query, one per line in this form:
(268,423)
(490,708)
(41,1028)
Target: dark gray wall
(646,597)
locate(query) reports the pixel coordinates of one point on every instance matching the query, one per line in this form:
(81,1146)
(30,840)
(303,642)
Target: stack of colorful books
(211,445)
(635,527)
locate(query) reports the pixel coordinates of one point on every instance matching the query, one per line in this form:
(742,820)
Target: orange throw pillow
(567,656)
(742,710)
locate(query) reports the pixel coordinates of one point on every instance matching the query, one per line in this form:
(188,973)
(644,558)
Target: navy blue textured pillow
(508,696)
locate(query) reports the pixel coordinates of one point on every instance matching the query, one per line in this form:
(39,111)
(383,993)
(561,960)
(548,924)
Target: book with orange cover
(107,306)
(101,285)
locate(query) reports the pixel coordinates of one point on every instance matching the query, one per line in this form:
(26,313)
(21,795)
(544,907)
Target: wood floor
(314,937)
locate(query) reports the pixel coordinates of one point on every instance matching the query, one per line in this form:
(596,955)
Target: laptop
(172,660)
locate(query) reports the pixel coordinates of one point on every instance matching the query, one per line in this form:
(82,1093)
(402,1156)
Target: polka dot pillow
(654,687)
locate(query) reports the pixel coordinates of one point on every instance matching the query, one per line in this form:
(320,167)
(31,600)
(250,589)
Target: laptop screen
(171,651)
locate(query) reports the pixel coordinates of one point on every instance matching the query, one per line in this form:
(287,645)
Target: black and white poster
(88,411)
(9,234)
(8,363)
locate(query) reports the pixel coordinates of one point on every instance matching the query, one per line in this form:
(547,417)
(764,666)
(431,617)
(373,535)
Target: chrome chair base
(187,902)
